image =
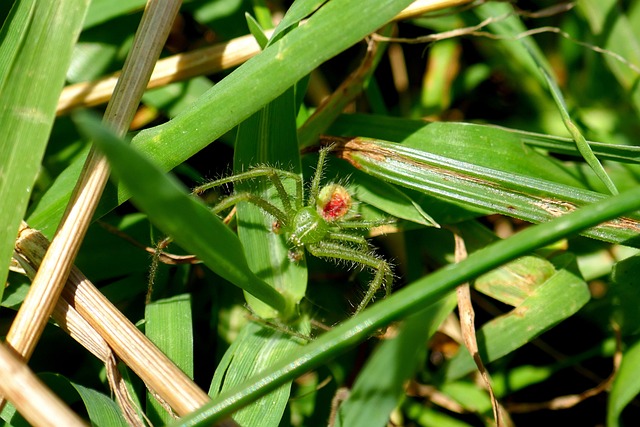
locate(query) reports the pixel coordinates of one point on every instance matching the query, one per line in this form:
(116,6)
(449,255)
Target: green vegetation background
(509,120)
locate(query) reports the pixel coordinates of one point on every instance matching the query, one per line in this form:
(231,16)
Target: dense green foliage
(517,142)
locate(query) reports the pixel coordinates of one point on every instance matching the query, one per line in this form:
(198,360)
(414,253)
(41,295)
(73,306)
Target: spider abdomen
(308,227)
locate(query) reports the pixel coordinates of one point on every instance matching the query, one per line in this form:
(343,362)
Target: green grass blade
(581,142)
(102,410)
(242,93)
(625,386)
(31,78)
(472,398)
(390,199)
(625,301)
(511,28)
(299,10)
(625,298)
(435,97)
(460,136)
(104,10)
(511,283)
(11,417)
(484,189)
(616,32)
(558,298)
(425,415)
(272,72)
(557,144)
(256,348)
(186,219)
(269,138)
(380,384)
(256,31)
(15,32)
(168,324)
(410,300)
(484,146)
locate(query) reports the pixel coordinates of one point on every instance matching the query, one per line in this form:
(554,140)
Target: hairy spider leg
(263,204)
(271,173)
(355,224)
(383,275)
(317,176)
(274,175)
(346,237)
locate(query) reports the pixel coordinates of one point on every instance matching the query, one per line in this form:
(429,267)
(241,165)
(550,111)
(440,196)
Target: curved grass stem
(410,300)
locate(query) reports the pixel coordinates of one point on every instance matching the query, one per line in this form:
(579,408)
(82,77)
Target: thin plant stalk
(49,281)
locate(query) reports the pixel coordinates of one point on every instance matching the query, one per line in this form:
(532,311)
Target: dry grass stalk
(30,396)
(467,326)
(79,329)
(203,61)
(336,103)
(434,396)
(49,281)
(208,60)
(130,345)
(421,7)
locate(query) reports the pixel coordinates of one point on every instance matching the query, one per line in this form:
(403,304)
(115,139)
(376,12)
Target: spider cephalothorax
(321,223)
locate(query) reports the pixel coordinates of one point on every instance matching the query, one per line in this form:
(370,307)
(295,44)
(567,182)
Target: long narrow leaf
(511,28)
(187,220)
(240,94)
(625,387)
(380,384)
(269,138)
(532,199)
(400,129)
(168,324)
(555,300)
(256,348)
(31,79)
(409,300)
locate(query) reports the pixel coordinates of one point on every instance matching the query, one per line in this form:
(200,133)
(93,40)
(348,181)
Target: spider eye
(295,255)
(334,202)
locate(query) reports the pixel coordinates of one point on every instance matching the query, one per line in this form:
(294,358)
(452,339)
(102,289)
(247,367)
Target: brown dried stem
(160,375)
(208,60)
(467,326)
(30,396)
(49,281)
(73,324)
(203,61)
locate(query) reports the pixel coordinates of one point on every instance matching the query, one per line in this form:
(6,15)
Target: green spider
(318,222)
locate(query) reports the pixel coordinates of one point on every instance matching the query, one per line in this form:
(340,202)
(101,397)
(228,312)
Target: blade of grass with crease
(410,300)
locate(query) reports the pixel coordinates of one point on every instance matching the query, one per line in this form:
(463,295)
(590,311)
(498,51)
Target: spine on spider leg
(276,177)
(317,177)
(255,172)
(358,241)
(357,257)
(258,201)
(383,278)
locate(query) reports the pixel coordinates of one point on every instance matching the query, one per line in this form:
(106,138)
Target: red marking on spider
(334,201)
